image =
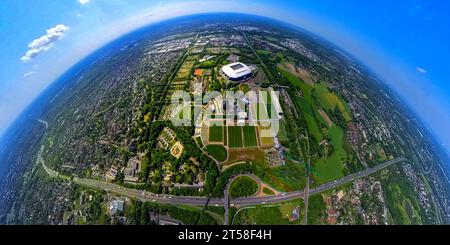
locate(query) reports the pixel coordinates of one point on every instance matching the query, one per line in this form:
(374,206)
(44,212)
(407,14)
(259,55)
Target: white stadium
(237,72)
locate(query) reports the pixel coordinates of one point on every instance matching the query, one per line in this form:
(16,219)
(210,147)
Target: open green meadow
(332,168)
(296,81)
(289,177)
(316,97)
(329,101)
(402,200)
(278,214)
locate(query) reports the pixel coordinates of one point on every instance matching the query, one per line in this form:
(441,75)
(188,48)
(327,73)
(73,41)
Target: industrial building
(237,72)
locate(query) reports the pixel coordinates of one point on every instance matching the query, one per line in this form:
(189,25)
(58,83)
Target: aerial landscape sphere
(221,118)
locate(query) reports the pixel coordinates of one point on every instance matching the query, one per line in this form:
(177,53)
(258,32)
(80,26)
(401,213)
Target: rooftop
(237,71)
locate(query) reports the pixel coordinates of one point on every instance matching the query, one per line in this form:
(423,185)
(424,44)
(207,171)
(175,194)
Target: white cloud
(421,70)
(44,42)
(29,74)
(84,1)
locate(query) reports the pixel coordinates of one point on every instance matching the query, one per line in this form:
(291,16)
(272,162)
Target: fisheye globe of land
(221,119)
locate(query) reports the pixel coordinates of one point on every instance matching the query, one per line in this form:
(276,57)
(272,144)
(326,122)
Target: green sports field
(242,137)
(235,137)
(216,133)
(250,136)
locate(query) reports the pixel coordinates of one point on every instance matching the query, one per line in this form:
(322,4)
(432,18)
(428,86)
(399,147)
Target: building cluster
(172,45)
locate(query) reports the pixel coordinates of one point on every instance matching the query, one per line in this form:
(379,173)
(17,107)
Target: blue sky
(405,42)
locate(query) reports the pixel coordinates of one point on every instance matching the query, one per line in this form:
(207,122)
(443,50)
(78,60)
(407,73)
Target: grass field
(329,101)
(336,135)
(267,101)
(290,177)
(252,154)
(332,168)
(329,169)
(217,151)
(261,111)
(185,69)
(235,137)
(282,134)
(305,103)
(216,133)
(270,214)
(261,215)
(225,137)
(316,210)
(250,136)
(263,52)
(267,141)
(296,81)
(402,200)
(268,191)
(316,97)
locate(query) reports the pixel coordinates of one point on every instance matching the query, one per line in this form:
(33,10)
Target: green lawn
(329,100)
(329,169)
(313,126)
(261,215)
(217,151)
(268,191)
(333,167)
(250,136)
(336,135)
(270,214)
(296,81)
(216,133)
(263,52)
(235,136)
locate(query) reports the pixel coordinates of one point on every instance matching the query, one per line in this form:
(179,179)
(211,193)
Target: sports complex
(251,131)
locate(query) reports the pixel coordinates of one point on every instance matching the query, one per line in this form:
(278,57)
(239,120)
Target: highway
(321,188)
(202,201)
(247,201)
(354,176)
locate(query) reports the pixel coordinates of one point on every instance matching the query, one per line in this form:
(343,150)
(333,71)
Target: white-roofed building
(237,72)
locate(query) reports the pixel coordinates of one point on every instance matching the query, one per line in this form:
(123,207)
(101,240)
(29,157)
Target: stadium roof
(236,70)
